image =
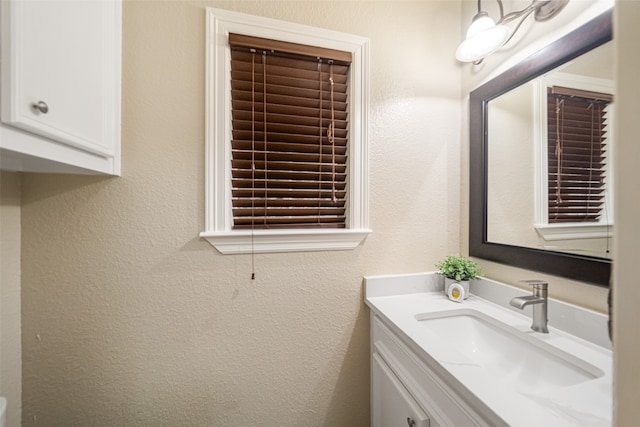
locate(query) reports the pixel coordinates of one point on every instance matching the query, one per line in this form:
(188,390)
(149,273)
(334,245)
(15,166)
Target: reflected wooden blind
(290,134)
(577,135)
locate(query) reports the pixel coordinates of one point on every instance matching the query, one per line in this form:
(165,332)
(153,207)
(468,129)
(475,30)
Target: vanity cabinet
(406,388)
(60,93)
(392,402)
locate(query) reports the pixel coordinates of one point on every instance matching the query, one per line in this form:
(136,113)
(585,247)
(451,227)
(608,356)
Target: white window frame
(566,231)
(218,207)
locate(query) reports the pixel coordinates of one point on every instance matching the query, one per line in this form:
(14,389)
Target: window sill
(271,241)
(573,231)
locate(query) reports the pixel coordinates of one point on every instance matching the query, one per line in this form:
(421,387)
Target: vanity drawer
(445,406)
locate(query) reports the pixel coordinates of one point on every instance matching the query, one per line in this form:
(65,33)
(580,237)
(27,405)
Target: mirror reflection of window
(575,115)
(577,122)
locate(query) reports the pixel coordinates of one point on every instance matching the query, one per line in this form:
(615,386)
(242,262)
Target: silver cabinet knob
(41,106)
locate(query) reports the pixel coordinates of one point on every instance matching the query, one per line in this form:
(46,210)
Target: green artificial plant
(459,268)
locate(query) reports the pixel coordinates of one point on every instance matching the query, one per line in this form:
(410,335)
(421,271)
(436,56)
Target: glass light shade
(480,22)
(483,38)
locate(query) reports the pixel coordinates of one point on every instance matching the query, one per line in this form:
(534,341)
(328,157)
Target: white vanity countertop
(588,403)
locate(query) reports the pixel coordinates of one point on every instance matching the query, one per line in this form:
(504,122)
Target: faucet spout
(539,302)
(522,302)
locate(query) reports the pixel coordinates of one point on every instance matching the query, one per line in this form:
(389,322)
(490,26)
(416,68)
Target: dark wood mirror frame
(578,267)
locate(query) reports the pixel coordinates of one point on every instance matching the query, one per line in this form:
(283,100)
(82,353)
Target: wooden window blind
(577,135)
(290,134)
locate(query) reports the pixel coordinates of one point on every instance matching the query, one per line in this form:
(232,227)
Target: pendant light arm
(515,15)
(499,5)
(515,30)
(501,10)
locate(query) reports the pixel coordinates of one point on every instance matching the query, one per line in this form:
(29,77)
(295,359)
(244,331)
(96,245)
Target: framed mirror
(518,215)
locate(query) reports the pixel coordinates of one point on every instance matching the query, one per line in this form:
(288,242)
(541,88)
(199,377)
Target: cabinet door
(392,405)
(60,71)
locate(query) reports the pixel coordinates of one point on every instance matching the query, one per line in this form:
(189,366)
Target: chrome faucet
(539,301)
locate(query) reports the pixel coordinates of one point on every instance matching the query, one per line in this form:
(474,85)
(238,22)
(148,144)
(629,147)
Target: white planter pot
(456,291)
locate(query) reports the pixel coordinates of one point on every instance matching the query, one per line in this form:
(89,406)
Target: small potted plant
(458,270)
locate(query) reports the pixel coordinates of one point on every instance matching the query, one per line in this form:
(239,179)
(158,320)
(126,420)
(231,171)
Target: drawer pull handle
(41,106)
(410,422)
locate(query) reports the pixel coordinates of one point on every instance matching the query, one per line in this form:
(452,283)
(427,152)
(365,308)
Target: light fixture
(485,37)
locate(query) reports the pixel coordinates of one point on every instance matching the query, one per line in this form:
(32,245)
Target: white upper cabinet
(61,85)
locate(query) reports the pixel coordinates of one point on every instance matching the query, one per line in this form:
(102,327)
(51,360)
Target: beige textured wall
(130,319)
(10,354)
(531,37)
(626,289)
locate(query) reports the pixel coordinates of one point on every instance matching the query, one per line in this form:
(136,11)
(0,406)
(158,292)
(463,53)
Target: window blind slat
(247,225)
(300,95)
(310,81)
(273,211)
(241,106)
(289,157)
(283,202)
(291,147)
(239,53)
(286,128)
(294,179)
(316,75)
(274,101)
(293,48)
(243,118)
(289,166)
(578,164)
(578,148)
(284,137)
(297,193)
(570,198)
(570,92)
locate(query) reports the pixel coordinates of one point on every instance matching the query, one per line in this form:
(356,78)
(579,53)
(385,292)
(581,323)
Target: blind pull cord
(253,160)
(264,116)
(590,185)
(331,138)
(320,137)
(559,132)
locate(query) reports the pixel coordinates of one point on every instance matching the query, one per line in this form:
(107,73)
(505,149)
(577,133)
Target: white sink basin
(510,356)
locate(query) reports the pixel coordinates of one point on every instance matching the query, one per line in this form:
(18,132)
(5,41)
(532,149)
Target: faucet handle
(536,283)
